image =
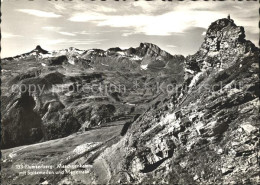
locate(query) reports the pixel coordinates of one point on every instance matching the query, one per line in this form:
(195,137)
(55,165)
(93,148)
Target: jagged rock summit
(223,44)
(224,34)
(39,50)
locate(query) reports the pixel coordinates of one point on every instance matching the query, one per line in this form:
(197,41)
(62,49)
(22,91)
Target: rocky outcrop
(207,133)
(39,50)
(57,60)
(20,124)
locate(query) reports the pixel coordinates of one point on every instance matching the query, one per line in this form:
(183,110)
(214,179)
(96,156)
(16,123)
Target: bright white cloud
(86,33)
(51,28)
(6,35)
(238,7)
(58,30)
(88,16)
(39,13)
(91,7)
(127,34)
(66,33)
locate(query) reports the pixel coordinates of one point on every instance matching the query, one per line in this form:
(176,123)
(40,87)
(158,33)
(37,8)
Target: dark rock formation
(20,124)
(57,60)
(39,50)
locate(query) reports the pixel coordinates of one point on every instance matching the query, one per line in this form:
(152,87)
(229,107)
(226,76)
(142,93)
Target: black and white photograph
(130,92)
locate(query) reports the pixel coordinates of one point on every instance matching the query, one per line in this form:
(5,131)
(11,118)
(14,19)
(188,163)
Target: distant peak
(39,49)
(146,44)
(152,50)
(114,49)
(219,24)
(73,48)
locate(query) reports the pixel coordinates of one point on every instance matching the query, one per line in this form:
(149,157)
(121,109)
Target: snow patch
(104,64)
(84,147)
(144,67)
(71,61)
(170,117)
(45,182)
(4,70)
(42,56)
(198,127)
(89,51)
(130,104)
(189,71)
(135,57)
(121,52)
(195,79)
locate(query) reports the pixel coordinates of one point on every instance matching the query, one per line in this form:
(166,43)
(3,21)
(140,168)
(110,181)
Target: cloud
(6,35)
(171,46)
(66,33)
(88,16)
(153,18)
(51,28)
(105,9)
(127,34)
(238,7)
(97,7)
(86,33)
(57,30)
(149,6)
(39,13)
(59,7)
(47,41)
(86,41)
(161,25)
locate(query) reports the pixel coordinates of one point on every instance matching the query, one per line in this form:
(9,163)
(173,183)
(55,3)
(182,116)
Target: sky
(178,27)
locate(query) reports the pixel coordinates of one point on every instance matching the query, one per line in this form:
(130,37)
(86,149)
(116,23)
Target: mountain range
(137,115)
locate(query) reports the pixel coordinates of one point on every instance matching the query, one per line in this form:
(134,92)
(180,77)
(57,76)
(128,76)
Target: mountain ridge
(197,120)
(180,139)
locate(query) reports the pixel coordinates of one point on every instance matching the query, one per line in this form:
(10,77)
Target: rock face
(21,124)
(206,131)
